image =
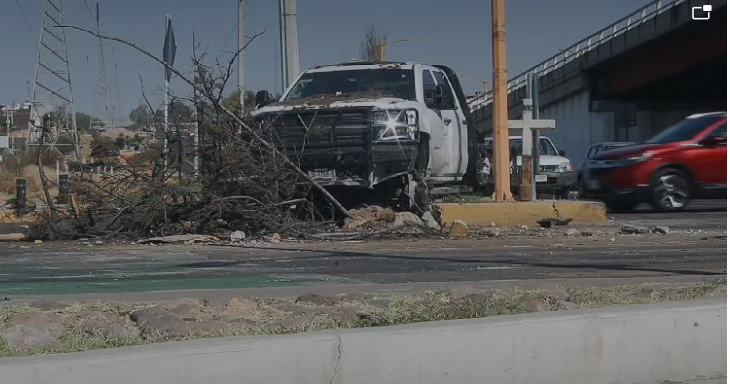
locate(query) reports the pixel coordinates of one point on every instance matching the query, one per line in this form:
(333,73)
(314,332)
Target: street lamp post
(383,44)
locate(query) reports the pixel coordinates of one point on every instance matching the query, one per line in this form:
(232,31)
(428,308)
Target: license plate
(323,175)
(594,184)
(541,178)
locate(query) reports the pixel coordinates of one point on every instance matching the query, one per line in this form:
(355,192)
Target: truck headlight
(395,124)
(565,167)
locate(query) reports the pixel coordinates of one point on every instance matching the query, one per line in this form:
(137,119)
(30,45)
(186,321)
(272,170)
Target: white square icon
(701,13)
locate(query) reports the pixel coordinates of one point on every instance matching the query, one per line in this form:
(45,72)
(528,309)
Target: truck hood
(335,103)
(547,160)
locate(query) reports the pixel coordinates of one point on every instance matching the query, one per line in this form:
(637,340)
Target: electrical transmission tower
(103,104)
(52,91)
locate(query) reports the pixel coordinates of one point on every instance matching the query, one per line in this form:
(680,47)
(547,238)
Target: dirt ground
(44,326)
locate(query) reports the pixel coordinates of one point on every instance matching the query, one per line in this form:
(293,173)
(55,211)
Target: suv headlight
(395,124)
(565,167)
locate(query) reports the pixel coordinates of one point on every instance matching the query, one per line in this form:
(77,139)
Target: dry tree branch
(227,111)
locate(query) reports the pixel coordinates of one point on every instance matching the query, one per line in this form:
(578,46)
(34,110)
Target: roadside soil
(58,326)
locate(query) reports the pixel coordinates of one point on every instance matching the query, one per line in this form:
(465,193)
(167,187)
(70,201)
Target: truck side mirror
(561,152)
(263,98)
(441,99)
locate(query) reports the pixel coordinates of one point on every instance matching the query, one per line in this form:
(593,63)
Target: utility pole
(241,44)
(502,191)
(282,45)
(292,41)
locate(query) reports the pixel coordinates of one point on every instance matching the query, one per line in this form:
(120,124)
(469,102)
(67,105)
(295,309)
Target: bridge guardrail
(580,48)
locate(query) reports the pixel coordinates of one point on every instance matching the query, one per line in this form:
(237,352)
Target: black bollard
(63,189)
(21,194)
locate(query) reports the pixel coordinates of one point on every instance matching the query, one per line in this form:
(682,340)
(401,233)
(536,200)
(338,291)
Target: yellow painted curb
(10,217)
(522,213)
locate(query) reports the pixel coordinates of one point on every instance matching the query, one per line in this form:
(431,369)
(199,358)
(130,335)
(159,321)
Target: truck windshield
(358,82)
(684,130)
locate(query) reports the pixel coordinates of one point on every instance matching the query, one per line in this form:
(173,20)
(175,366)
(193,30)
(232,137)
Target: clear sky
(455,33)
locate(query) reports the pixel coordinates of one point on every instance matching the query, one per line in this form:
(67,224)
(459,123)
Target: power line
(27,23)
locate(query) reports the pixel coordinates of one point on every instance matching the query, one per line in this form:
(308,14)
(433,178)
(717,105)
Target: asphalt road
(697,246)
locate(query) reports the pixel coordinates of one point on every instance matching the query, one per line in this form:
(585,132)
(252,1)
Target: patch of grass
(367,311)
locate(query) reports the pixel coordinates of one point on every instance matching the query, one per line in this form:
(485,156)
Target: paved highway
(696,246)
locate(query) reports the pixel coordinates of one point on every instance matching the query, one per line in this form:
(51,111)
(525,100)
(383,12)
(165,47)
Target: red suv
(686,161)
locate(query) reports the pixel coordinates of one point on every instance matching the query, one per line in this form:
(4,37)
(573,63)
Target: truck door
(455,123)
(442,153)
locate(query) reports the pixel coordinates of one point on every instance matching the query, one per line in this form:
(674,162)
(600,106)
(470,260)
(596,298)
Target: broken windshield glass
(375,83)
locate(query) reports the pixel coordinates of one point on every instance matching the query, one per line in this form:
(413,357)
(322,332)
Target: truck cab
(402,129)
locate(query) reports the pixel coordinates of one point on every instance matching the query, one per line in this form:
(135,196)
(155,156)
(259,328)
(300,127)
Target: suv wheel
(670,190)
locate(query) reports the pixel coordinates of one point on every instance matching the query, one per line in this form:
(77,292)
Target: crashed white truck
(401,130)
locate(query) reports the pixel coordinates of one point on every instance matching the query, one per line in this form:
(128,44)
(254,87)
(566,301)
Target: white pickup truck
(402,130)
(555,175)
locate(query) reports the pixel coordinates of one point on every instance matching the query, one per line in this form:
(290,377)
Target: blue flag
(168,52)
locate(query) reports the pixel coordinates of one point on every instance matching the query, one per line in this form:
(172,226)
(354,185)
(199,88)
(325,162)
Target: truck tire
(421,191)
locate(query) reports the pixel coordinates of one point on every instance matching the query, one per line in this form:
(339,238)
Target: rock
(366,216)
(430,221)
(294,309)
(387,215)
(534,304)
(406,218)
(524,227)
(571,232)
(586,233)
(566,305)
(238,236)
(459,229)
(47,305)
(311,298)
(38,242)
(239,308)
(492,232)
(24,338)
(633,229)
(300,324)
(101,324)
(188,309)
(559,294)
(157,322)
(346,316)
(660,229)
(45,322)
(492,224)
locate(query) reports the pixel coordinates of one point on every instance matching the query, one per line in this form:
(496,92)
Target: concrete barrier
(634,344)
(523,213)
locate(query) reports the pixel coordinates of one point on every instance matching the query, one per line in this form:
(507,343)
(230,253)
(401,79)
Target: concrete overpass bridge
(628,80)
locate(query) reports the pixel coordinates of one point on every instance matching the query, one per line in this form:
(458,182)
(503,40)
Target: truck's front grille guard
(294,131)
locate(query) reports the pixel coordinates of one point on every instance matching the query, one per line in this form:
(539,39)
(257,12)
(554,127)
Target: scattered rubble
(634,229)
(660,229)
(459,229)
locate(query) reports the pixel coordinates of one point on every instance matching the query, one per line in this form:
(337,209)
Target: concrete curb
(632,344)
(522,213)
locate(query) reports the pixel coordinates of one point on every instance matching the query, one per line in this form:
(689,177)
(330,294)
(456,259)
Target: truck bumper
(357,166)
